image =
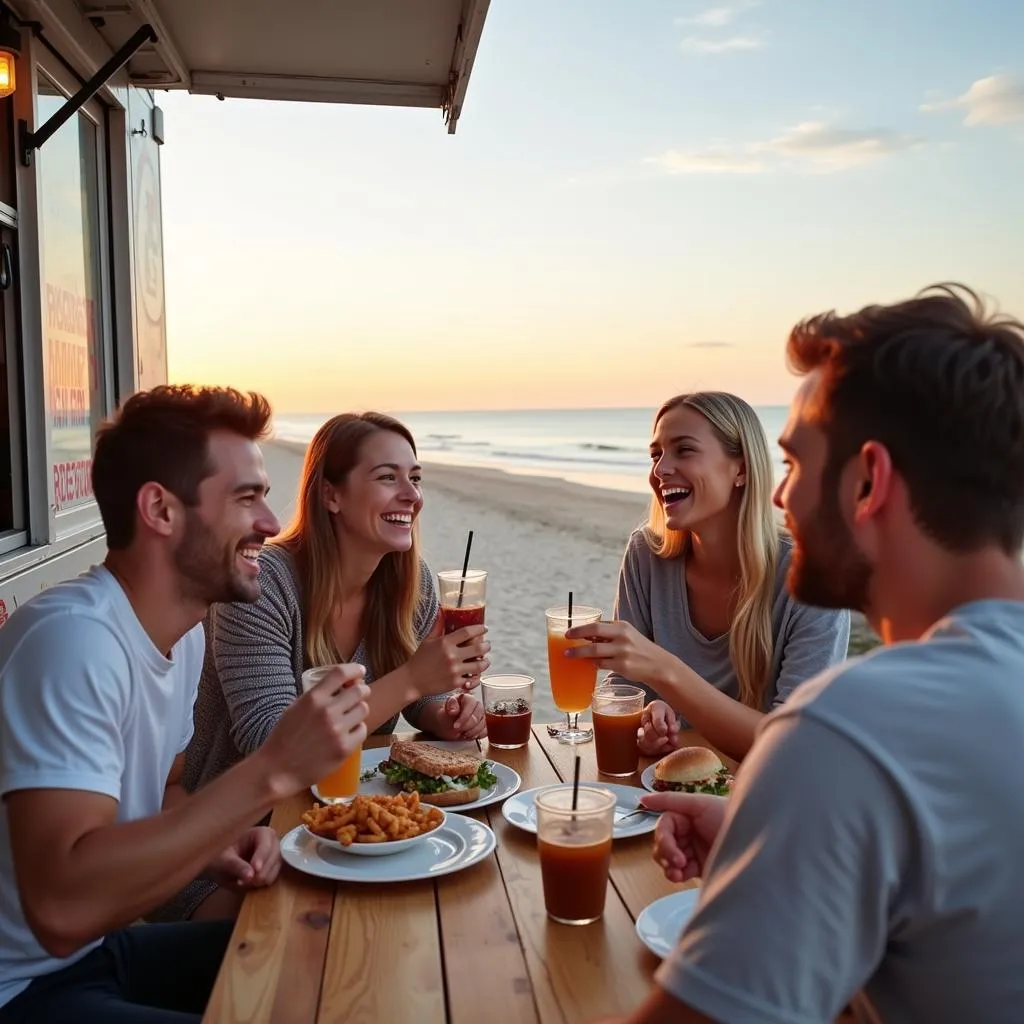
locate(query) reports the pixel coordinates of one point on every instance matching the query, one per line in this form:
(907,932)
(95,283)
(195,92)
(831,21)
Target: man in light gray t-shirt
(873,847)
(876,834)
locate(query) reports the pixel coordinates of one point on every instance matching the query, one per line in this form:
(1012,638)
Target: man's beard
(827,570)
(208,572)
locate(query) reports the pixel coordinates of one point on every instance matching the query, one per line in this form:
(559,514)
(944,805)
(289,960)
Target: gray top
(652,597)
(255,657)
(875,840)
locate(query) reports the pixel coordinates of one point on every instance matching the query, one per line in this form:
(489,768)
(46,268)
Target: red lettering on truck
(72,481)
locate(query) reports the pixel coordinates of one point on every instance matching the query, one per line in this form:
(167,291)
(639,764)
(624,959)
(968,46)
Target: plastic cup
(575,850)
(463,597)
(617,711)
(343,783)
(508,708)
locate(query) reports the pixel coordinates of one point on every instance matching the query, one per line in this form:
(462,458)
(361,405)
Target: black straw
(465,568)
(570,627)
(576,782)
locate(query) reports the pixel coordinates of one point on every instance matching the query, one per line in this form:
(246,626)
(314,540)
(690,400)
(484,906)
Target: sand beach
(538,537)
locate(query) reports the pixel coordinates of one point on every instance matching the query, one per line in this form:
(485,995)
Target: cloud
(715,17)
(720,16)
(710,344)
(997,99)
(830,148)
(813,146)
(714,160)
(730,44)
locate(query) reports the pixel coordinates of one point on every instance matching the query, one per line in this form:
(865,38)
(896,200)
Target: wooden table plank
(383,958)
(484,961)
(275,960)
(576,973)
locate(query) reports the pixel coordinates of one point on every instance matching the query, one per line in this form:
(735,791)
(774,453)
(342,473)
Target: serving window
(76,344)
(57,340)
(12,450)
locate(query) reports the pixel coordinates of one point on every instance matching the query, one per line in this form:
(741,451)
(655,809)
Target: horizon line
(522,408)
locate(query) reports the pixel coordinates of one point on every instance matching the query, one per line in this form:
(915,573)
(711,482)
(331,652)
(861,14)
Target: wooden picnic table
(470,946)
(473,945)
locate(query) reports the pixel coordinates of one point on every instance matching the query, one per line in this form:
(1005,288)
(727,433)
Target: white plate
(521,810)
(459,843)
(660,925)
(376,849)
(508,780)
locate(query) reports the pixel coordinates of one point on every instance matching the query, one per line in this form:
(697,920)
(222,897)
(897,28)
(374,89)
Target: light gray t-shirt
(652,597)
(875,840)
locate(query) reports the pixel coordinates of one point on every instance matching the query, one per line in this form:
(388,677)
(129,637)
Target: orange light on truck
(7,77)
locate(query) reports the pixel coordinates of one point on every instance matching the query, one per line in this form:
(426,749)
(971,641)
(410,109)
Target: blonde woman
(343,583)
(703,619)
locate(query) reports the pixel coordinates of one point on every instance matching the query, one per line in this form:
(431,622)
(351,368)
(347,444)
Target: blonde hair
(751,642)
(392,593)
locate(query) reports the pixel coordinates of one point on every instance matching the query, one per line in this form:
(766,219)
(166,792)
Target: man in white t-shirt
(872,848)
(98,677)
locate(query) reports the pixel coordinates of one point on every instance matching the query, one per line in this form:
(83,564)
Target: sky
(640,199)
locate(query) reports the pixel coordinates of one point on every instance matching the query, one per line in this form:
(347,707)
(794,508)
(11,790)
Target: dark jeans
(146,974)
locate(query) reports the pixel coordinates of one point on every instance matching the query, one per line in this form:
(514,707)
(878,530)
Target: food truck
(82,321)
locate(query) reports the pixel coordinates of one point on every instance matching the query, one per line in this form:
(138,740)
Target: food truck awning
(409,53)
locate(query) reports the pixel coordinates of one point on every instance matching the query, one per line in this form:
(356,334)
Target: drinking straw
(465,568)
(570,609)
(576,782)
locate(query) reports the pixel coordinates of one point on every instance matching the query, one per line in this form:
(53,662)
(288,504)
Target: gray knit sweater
(254,664)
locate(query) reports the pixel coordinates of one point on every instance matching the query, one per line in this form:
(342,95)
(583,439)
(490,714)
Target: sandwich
(444,778)
(692,770)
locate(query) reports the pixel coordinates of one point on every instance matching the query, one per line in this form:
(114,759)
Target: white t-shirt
(875,839)
(87,702)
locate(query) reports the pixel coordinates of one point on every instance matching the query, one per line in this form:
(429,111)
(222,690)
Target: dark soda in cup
(508,708)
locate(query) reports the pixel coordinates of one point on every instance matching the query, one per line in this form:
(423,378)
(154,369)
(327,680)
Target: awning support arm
(29,141)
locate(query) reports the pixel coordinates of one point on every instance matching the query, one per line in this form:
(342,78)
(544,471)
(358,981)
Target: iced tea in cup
(575,850)
(572,679)
(343,783)
(618,709)
(463,597)
(508,708)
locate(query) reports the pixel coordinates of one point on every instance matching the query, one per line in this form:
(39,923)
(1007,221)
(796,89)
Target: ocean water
(593,447)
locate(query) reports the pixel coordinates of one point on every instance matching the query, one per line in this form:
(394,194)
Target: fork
(639,810)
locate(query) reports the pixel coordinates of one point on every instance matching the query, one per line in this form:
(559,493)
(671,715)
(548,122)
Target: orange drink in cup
(343,783)
(575,848)
(572,679)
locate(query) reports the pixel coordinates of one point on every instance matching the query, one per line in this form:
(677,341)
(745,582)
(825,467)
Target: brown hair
(392,594)
(938,381)
(162,436)
(739,431)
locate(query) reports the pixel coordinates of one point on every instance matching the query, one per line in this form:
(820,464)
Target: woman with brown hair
(343,583)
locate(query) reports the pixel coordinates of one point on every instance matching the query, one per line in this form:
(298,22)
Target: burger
(692,770)
(444,778)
